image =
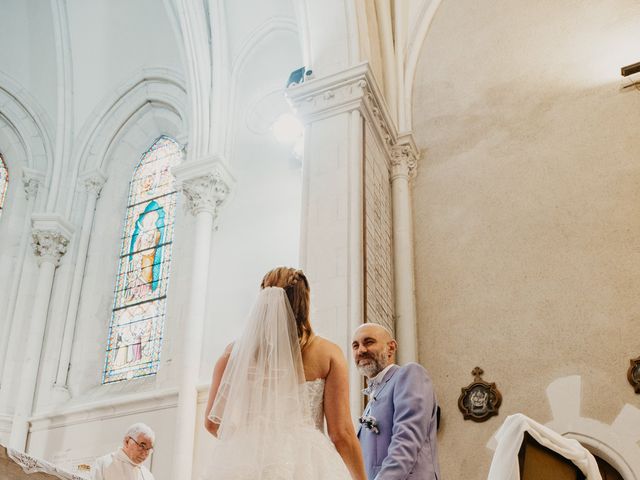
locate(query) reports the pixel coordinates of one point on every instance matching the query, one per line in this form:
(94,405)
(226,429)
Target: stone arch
(257,37)
(616,443)
(160,89)
(25,138)
(119,150)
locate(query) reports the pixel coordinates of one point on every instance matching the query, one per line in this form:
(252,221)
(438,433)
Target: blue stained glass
(140,298)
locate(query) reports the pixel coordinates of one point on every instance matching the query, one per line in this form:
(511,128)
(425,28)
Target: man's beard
(376,364)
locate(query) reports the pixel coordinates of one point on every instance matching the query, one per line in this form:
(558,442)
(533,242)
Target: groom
(398,428)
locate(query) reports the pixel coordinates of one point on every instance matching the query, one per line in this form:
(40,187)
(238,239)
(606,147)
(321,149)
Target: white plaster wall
(526,209)
(326,232)
(28,52)
(259,227)
(241,27)
(110,40)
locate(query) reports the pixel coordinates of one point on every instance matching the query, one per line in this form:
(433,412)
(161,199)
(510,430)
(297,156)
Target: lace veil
(261,390)
(266,426)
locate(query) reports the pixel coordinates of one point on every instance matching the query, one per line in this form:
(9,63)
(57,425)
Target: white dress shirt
(375,381)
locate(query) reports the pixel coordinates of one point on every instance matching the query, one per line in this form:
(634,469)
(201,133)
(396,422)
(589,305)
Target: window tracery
(139,307)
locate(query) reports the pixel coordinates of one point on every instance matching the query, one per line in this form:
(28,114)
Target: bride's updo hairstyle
(296,285)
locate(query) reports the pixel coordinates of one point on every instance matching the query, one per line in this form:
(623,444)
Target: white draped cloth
(117,466)
(30,465)
(504,465)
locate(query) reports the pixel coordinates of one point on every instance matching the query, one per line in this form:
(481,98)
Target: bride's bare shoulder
(327,346)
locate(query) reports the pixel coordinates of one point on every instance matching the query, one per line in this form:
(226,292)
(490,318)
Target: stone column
(93,183)
(346,123)
(51,235)
(31,181)
(403,169)
(205,184)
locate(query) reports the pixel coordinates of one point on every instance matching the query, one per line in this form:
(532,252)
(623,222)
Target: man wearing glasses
(126,462)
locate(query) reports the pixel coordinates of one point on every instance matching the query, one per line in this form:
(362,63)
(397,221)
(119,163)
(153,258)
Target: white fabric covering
(30,465)
(504,465)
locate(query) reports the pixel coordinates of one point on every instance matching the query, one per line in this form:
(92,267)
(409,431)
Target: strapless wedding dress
(302,452)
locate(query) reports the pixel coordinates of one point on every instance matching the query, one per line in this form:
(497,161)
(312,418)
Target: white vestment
(117,466)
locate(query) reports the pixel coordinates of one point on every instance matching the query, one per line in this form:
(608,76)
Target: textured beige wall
(527,209)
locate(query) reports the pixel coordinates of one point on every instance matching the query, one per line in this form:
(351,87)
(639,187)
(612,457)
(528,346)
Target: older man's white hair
(138,428)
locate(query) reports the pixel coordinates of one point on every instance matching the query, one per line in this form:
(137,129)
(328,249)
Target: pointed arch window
(4,182)
(139,306)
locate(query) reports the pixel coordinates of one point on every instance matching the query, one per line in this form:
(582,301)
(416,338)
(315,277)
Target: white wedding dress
(271,419)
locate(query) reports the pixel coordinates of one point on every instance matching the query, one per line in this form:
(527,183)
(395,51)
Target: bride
(272,390)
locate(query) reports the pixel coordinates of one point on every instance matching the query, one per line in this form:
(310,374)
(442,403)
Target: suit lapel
(390,373)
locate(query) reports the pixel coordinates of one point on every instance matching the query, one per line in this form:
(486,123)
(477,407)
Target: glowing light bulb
(287,129)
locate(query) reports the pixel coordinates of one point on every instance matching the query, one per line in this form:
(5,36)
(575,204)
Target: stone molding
(161,87)
(356,89)
(352,89)
(205,183)
(51,235)
(109,408)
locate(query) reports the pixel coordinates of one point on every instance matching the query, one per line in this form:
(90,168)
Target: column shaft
(29,370)
(406,329)
(192,348)
(356,261)
(205,184)
(13,327)
(76,289)
(31,184)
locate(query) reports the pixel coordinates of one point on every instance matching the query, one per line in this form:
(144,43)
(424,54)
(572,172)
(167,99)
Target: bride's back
(318,356)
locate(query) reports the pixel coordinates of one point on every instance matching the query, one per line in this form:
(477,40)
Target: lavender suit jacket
(404,407)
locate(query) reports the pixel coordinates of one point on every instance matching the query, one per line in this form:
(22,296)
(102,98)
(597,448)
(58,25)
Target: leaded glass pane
(4,182)
(139,306)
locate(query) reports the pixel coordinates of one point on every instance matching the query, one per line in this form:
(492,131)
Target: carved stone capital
(30,187)
(50,235)
(404,160)
(205,183)
(205,194)
(93,182)
(49,246)
(31,180)
(352,89)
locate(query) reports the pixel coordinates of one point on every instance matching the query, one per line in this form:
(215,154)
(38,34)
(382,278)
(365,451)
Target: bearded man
(398,427)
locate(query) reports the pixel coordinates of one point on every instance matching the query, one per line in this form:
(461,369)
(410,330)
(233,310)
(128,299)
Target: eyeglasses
(142,445)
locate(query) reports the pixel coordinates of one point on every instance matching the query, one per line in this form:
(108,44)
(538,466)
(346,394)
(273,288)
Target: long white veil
(261,405)
(266,427)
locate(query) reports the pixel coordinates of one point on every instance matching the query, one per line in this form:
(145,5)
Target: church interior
(464,173)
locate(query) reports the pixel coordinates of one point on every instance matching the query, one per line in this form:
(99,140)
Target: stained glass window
(139,306)
(4,182)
